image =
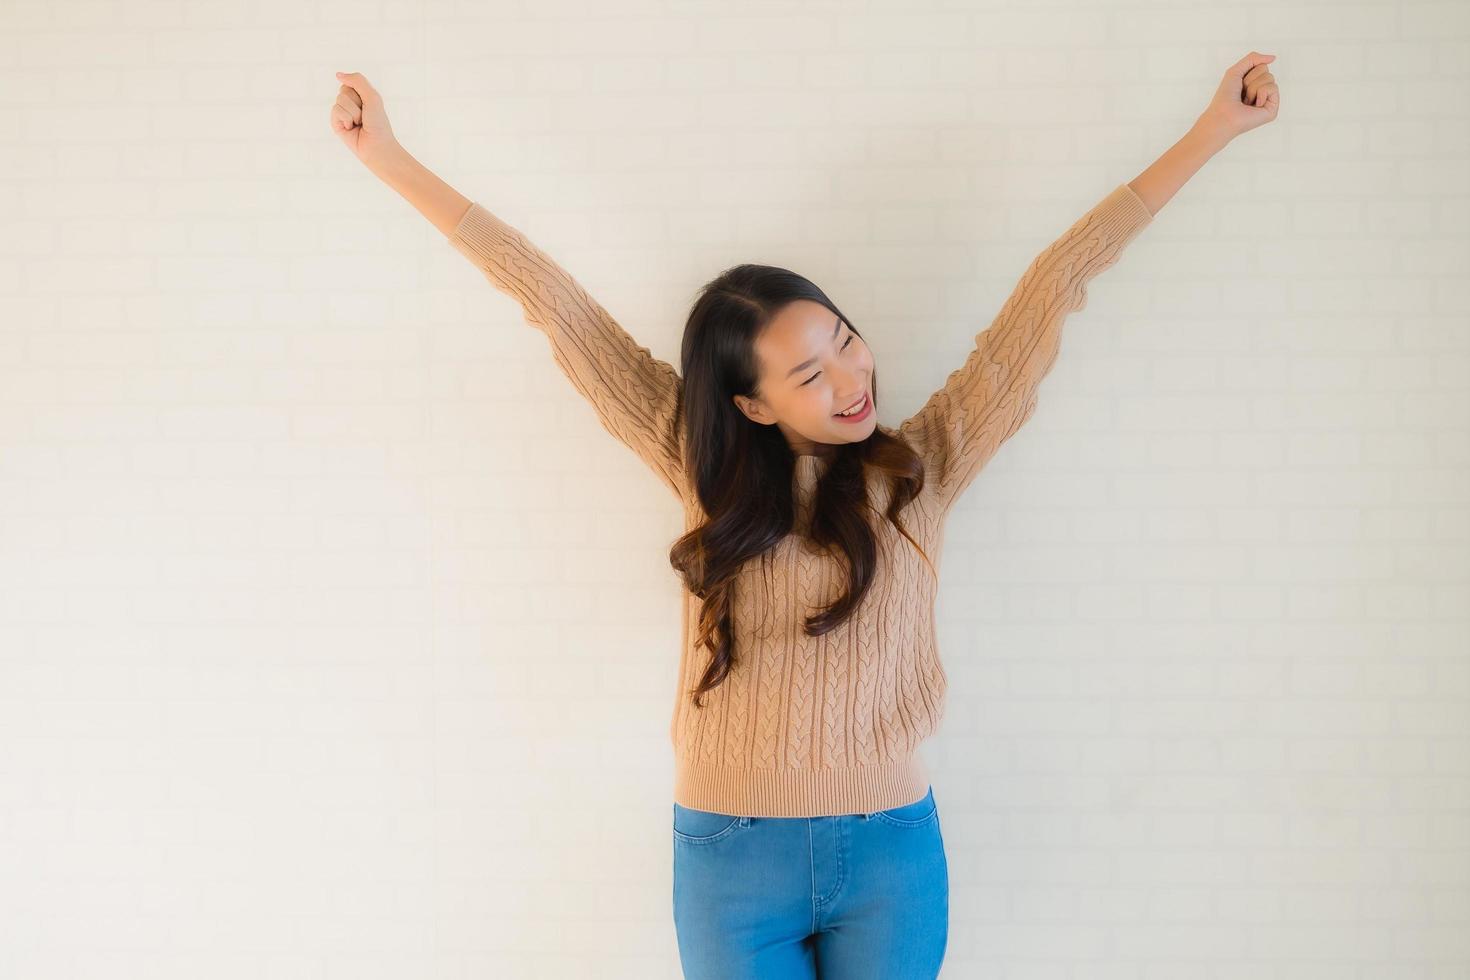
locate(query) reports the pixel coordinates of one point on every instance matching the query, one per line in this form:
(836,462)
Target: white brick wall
(337,639)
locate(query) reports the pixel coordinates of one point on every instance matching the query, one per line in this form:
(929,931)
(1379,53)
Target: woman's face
(812,366)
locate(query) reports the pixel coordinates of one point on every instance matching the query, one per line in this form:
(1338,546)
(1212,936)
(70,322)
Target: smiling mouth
(857,409)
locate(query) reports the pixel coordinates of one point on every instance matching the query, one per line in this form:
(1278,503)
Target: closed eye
(814,377)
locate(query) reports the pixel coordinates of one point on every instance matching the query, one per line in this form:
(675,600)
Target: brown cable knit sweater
(814,726)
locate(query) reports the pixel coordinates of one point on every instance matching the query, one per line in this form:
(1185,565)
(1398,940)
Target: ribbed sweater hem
(800,792)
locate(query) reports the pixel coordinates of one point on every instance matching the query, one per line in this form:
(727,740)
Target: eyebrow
(812,360)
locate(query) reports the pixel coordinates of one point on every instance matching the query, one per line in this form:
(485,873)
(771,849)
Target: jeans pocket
(693,826)
(916,814)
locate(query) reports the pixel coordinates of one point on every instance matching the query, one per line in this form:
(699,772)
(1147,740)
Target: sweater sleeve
(637,397)
(993,393)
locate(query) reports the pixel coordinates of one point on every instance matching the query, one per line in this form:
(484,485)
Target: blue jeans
(855,896)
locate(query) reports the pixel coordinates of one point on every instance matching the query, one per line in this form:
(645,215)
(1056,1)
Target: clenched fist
(360,121)
(1247,96)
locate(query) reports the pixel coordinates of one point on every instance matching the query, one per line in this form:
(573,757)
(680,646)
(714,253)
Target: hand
(360,121)
(1247,97)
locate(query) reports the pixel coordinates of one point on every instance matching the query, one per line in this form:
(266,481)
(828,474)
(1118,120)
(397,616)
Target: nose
(857,384)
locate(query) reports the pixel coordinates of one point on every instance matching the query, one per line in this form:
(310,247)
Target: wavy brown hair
(742,471)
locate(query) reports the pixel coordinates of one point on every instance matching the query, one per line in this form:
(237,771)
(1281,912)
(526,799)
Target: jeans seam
(822,902)
(812,863)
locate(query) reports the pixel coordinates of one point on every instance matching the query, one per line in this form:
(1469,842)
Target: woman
(805,831)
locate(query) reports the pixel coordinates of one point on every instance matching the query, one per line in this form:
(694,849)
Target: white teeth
(862,403)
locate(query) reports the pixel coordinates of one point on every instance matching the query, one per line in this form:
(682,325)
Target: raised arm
(637,397)
(994,392)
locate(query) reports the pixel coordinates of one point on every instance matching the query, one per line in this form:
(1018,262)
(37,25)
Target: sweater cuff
(464,219)
(1137,200)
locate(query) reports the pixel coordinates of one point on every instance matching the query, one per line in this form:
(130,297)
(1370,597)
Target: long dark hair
(741,471)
